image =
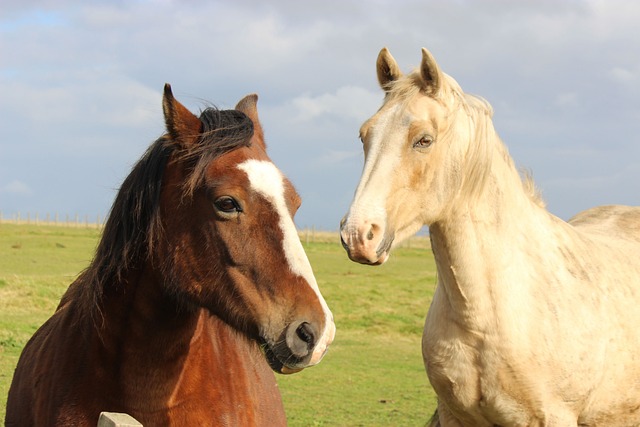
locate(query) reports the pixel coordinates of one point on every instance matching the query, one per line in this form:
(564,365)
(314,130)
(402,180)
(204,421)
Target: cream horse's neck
(487,232)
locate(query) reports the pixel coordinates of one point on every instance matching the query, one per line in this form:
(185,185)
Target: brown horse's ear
(387,68)
(182,125)
(249,106)
(432,77)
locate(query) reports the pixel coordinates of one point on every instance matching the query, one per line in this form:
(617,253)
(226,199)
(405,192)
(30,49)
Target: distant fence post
(29,218)
(113,419)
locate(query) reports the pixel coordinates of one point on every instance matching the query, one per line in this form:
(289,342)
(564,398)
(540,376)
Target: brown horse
(198,270)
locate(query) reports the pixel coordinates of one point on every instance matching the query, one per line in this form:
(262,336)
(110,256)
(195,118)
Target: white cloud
(628,78)
(17,188)
(87,76)
(350,102)
(567,99)
(339,156)
(104,98)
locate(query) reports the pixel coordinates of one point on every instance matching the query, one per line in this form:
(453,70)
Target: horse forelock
(408,86)
(223,131)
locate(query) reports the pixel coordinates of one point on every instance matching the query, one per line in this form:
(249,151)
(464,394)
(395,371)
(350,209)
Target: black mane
(134,224)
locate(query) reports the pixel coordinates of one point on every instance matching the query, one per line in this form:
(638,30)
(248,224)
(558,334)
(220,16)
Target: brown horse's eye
(227,205)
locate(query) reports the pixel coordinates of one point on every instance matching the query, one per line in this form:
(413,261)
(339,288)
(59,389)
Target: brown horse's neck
(160,357)
(144,336)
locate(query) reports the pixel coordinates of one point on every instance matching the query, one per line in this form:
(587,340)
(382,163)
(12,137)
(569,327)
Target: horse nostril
(374,230)
(300,339)
(305,333)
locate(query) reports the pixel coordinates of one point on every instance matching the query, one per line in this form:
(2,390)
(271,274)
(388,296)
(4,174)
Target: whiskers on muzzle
(298,345)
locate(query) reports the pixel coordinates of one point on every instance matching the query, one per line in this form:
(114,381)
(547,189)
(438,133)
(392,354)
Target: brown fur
(166,323)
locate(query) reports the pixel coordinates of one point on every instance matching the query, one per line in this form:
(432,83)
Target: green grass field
(372,376)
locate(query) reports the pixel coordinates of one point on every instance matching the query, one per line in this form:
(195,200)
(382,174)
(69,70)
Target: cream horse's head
(414,147)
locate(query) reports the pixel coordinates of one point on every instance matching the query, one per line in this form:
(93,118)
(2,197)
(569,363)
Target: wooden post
(114,419)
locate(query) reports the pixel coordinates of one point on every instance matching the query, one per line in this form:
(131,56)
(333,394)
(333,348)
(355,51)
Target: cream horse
(535,321)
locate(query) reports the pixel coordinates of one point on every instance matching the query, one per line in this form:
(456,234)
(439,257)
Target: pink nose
(364,242)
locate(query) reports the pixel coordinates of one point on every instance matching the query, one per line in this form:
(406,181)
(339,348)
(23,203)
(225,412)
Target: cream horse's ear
(387,68)
(432,77)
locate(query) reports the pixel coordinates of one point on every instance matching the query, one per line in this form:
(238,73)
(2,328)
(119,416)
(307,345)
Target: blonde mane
(534,319)
(480,113)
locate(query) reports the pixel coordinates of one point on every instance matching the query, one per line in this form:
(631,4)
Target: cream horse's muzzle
(365,242)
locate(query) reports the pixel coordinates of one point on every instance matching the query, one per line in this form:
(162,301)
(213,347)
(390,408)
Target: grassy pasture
(372,375)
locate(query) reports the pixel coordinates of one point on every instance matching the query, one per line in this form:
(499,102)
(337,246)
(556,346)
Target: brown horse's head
(228,240)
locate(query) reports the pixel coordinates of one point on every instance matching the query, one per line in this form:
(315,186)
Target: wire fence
(307,235)
(56,219)
(312,235)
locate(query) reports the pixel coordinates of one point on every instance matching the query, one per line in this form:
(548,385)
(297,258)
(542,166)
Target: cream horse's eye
(423,142)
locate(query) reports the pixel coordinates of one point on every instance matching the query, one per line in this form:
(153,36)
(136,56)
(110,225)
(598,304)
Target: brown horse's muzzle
(300,345)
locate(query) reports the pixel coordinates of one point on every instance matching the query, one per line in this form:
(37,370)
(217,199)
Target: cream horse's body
(535,321)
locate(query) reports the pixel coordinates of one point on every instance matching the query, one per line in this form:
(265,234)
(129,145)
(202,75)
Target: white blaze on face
(267,180)
(381,164)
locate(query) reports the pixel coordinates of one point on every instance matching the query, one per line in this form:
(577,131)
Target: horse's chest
(474,381)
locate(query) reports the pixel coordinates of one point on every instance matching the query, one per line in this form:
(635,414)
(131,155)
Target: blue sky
(81,85)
